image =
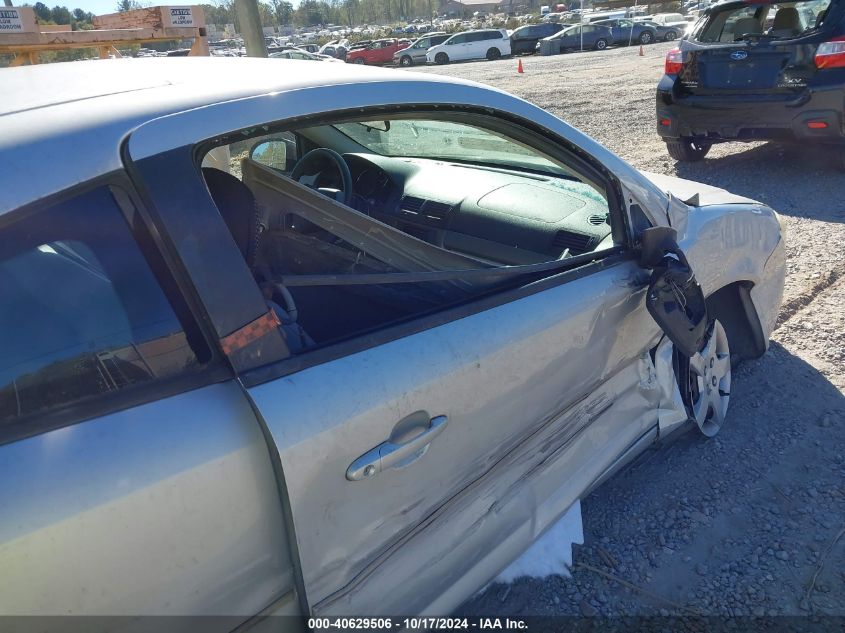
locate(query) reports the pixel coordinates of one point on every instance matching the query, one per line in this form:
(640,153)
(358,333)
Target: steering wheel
(322,153)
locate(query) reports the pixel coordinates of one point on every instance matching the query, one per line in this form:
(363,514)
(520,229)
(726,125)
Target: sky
(99,7)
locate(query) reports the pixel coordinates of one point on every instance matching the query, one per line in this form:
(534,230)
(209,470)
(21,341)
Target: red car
(378,52)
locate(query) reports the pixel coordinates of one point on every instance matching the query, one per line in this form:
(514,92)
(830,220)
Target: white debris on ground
(552,552)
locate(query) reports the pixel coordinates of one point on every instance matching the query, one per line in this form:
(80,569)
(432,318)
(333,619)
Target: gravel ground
(746,524)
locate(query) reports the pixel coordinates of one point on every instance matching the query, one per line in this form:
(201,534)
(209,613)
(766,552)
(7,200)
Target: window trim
(208,373)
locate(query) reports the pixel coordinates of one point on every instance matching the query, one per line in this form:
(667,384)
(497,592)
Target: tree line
(321,12)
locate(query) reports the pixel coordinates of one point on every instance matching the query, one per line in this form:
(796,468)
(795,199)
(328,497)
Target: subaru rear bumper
(816,115)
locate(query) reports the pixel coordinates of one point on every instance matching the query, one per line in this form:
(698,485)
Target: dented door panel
(541,394)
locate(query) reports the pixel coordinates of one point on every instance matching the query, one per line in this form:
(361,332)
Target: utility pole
(251,31)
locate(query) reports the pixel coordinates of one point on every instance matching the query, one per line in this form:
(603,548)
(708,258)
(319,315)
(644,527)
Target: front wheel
(441,58)
(671,35)
(705,381)
(646,37)
(601,45)
(687,150)
(493,54)
(359,60)
(406,61)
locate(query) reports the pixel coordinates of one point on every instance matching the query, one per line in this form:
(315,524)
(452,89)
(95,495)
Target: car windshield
(445,140)
(762,21)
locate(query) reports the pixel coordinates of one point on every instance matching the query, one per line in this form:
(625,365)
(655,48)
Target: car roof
(67,121)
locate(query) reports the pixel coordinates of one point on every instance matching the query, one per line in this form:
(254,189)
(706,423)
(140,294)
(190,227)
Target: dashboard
(496,214)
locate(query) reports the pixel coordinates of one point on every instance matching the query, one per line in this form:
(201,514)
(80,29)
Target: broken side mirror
(674,299)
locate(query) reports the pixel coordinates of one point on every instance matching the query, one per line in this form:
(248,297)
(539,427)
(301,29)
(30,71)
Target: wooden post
(251,27)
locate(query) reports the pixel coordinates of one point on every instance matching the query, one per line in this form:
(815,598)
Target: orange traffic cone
(519,67)
(641,51)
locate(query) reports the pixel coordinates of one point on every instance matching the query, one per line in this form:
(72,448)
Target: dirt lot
(750,523)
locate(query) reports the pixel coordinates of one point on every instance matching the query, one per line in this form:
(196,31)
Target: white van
(484,43)
(668,19)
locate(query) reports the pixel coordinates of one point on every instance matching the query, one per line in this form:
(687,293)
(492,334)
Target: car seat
(236,204)
(787,23)
(744,26)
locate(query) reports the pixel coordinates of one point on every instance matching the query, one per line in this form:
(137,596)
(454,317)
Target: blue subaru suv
(756,70)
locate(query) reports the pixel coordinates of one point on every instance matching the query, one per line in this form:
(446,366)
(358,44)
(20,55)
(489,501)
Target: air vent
(436,210)
(577,243)
(410,204)
(597,219)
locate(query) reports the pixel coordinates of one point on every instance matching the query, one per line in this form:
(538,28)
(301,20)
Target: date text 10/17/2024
(421,623)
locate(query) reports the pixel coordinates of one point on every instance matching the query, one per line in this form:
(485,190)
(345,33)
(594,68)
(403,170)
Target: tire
(646,37)
(671,35)
(687,150)
(601,44)
(441,59)
(406,60)
(705,381)
(493,54)
(359,60)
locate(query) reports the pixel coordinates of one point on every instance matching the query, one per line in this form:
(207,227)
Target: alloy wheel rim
(710,382)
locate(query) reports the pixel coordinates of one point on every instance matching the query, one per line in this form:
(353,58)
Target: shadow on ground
(798,180)
(745,537)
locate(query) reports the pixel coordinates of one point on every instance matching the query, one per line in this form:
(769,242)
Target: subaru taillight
(674,61)
(831,54)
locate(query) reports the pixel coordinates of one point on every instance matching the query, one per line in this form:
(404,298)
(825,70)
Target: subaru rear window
(763,21)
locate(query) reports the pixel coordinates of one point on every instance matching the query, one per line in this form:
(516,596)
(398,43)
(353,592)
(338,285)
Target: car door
(620,30)
(457,47)
(136,479)
(472,48)
(420,48)
(572,39)
(409,456)
(591,34)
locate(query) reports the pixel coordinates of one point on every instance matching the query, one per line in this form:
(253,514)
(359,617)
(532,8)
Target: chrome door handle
(388,455)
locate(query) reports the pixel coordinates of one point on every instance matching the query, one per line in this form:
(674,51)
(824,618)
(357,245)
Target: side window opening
(390,219)
(85,316)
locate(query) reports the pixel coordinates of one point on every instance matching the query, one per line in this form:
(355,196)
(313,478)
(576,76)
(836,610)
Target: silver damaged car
(333,341)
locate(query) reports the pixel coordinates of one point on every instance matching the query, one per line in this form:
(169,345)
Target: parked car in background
(673,20)
(525,38)
(293,53)
(756,70)
(594,37)
(376,53)
(415,53)
(625,31)
(600,16)
(482,44)
(552,17)
(663,33)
